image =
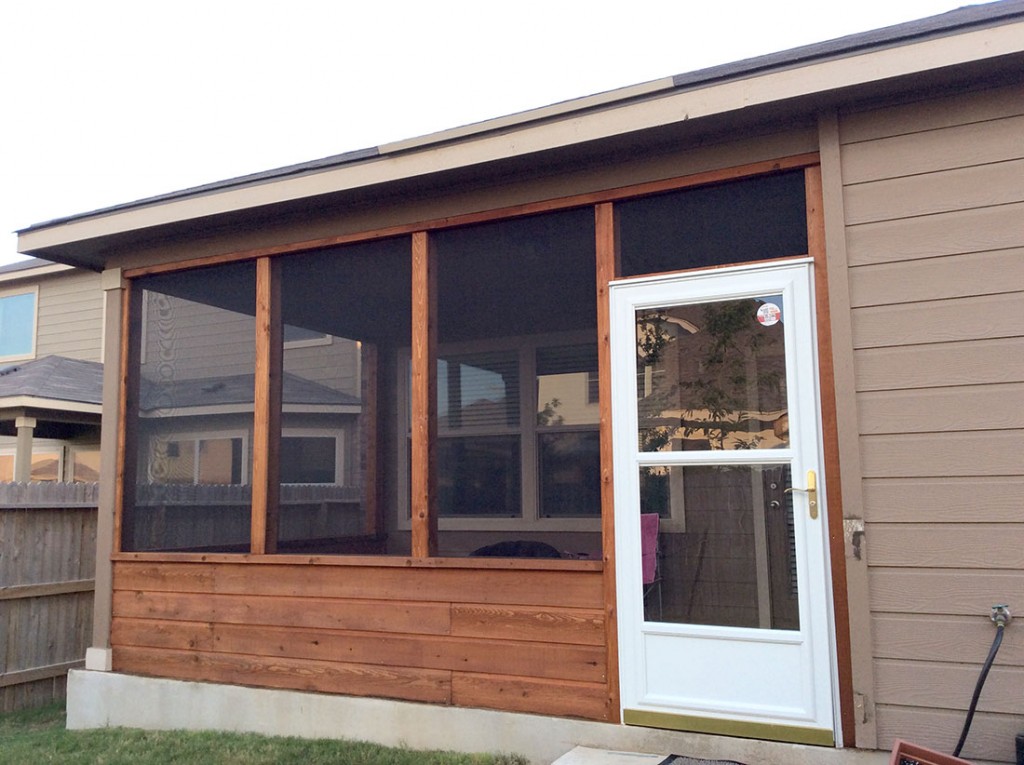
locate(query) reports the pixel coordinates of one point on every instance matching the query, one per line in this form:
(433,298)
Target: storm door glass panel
(568,441)
(345,311)
(191,460)
(712,376)
(478,422)
(724,550)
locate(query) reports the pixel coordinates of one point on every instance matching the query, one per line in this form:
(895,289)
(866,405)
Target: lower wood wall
(528,640)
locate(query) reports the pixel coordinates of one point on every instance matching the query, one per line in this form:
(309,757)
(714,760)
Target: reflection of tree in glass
(722,382)
(548,415)
(731,344)
(652,337)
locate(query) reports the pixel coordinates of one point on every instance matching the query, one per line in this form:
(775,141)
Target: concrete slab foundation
(109,699)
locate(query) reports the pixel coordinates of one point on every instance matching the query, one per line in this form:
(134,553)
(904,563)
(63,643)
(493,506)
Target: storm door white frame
(765,683)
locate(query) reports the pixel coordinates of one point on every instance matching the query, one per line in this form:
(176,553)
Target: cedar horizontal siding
(522,640)
(934,205)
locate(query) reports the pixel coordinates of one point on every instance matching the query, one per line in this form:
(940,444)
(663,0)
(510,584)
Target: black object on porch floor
(682,759)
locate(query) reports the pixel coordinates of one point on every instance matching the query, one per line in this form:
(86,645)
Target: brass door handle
(812,493)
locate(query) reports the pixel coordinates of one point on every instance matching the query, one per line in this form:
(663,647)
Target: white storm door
(716,433)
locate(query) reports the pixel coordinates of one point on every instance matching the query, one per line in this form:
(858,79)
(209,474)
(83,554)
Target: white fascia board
(559,127)
(34,402)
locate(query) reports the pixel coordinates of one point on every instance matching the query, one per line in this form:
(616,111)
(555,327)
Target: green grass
(38,736)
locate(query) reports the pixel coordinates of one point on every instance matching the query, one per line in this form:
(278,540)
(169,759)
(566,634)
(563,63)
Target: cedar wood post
(424,396)
(607,269)
(266,484)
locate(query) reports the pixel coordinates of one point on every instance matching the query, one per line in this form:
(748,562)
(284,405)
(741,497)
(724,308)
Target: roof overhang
(821,76)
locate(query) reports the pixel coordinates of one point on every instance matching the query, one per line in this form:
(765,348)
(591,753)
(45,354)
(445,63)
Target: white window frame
(528,432)
(340,479)
(196,437)
(72,450)
(34,291)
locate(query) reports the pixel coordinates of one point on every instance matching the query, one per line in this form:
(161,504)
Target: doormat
(682,759)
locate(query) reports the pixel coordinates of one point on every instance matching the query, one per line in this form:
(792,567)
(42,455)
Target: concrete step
(584,755)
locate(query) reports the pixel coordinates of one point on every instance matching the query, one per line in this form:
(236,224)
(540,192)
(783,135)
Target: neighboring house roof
(86,239)
(23,265)
(231,390)
(29,268)
(45,381)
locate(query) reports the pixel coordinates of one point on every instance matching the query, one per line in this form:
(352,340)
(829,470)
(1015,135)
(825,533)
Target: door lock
(812,493)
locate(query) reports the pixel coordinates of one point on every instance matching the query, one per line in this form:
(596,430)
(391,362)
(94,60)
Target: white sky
(109,101)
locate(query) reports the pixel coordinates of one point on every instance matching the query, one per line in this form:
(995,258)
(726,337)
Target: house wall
(70,316)
(478,635)
(934,201)
(203,341)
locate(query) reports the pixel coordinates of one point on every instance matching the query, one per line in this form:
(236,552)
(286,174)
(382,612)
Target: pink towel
(649,544)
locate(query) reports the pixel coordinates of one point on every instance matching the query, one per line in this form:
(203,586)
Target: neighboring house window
(500,457)
(18,324)
(568,440)
(85,464)
(479,424)
(47,462)
(213,458)
(310,458)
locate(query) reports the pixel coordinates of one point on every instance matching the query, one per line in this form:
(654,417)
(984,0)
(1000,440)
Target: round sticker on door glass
(769,314)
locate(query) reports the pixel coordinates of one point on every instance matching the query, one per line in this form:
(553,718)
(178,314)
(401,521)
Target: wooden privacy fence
(47,565)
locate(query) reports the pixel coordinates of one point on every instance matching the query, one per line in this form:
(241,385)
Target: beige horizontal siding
(979,317)
(962,275)
(934,205)
(944,500)
(966,545)
(930,113)
(932,236)
(978,362)
(916,637)
(975,407)
(956,592)
(919,455)
(958,146)
(70,316)
(957,189)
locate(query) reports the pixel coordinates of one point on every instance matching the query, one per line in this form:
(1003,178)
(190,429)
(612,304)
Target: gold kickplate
(791,734)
